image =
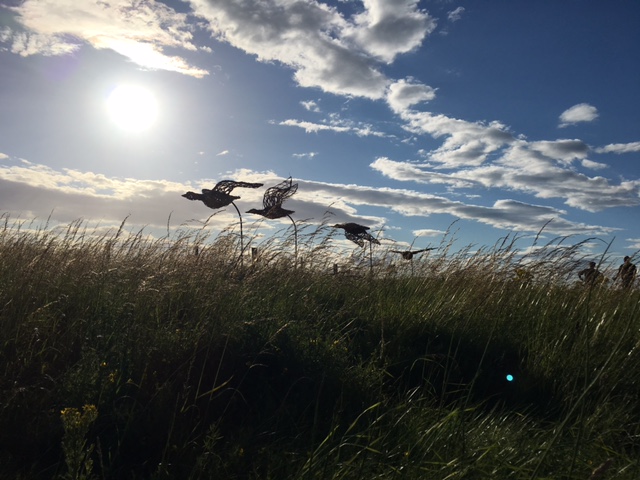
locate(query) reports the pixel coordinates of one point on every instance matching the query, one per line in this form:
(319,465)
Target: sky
(493,118)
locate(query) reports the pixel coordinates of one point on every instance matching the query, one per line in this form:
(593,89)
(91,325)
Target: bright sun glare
(132,108)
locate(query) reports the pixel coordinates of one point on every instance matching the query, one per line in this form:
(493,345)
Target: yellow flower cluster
(72,419)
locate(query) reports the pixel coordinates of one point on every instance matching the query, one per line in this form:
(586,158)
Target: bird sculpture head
(191,196)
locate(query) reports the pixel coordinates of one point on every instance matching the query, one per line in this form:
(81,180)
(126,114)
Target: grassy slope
(201,369)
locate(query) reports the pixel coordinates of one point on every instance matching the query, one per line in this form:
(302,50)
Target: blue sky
(501,116)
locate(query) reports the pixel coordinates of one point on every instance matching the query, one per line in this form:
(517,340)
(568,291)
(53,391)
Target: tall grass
(200,367)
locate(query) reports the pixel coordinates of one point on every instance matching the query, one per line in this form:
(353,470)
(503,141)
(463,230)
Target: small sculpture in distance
(357,233)
(408,254)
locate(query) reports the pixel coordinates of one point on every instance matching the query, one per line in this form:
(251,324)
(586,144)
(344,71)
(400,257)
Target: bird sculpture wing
(424,250)
(277,194)
(369,238)
(227,186)
(354,238)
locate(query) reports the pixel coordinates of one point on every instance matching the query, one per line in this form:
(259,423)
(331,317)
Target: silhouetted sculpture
(272,206)
(273,199)
(220,196)
(408,254)
(357,233)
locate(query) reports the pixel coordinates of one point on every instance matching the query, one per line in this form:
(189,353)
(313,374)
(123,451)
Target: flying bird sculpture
(220,196)
(357,233)
(273,199)
(408,254)
(272,202)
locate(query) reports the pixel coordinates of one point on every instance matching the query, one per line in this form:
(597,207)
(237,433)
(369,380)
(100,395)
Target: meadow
(129,357)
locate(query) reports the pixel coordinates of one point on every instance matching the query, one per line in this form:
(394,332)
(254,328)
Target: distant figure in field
(590,275)
(626,273)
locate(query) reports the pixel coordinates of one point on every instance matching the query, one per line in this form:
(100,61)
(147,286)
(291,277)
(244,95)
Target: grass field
(125,357)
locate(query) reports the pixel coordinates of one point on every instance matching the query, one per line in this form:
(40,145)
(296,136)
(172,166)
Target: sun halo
(132,108)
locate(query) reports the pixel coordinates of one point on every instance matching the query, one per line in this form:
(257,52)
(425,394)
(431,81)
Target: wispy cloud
(455,15)
(523,167)
(305,155)
(632,147)
(311,106)
(140,31)
(335,125)
(583,112)
(427,232)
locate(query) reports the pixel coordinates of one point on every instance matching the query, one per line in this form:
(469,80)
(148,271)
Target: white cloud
(456,14)
(523,167)
(305,155)
(583,112)
(632,147)
(324,48)
(565,151)
(139,31)
(466,143)
(406,93)
(591,165)
(335,125)
(488,155)
(3,156)
(310,106)
(387,28)
(427,232)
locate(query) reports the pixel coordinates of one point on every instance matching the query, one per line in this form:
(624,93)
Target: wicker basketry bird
(357,233)
(272,207)
(220,196)
(408,254)
(273,199)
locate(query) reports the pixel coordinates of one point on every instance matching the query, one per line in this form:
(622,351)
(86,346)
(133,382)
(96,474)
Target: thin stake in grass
(272,209)
(220,196)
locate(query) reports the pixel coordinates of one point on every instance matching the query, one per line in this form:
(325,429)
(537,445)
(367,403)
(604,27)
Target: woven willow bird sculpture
(357,233)
(272,202)
(408,254)
(220,196)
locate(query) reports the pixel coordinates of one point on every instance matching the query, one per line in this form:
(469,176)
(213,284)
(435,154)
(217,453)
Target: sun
(133,108)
